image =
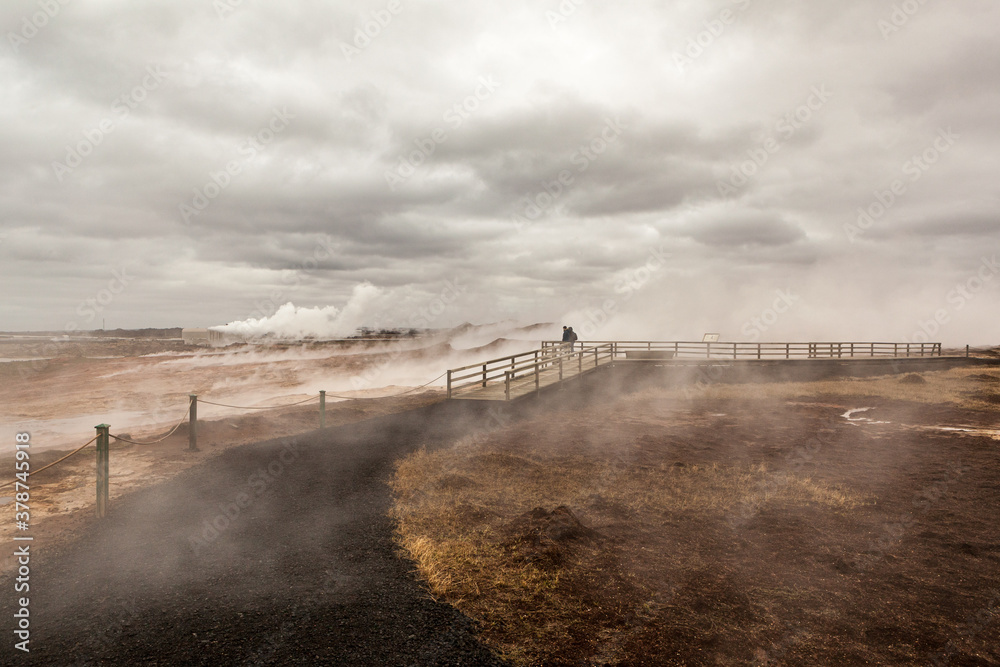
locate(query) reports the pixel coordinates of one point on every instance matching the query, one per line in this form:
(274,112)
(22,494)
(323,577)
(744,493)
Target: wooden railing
(761,351)
(530,365)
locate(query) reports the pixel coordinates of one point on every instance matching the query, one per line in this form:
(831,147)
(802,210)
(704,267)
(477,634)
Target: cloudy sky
(764,169)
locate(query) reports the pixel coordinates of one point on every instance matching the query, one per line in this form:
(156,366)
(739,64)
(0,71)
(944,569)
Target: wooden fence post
(193,424)
(322,408)
(103,469)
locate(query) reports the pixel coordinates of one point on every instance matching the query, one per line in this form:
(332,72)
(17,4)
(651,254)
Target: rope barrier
(261,407)
(313,398)
(402,393)
(35,472)
(153,442)
(224,405)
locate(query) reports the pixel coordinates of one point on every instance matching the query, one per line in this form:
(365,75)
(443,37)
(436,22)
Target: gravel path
(272,554)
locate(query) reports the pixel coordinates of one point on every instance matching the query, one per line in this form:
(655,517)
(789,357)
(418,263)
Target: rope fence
(104,435)
(35,472)
(261,407)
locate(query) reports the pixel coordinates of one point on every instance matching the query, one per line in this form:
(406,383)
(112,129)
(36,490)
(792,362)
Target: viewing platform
(519,375)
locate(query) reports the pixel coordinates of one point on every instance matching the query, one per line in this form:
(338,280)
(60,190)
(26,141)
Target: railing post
(449,384)
(103,469)
(596,360)
(734,351)
(506,390)
(560,369)
(758,351)
(907,349)
(193,424)
(484,375)
(537,380)
(966,351)
(708,351)
(580,360)
(788,350)
(322,408)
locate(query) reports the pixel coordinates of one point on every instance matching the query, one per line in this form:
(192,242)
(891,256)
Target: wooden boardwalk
(524,380)
(516,376)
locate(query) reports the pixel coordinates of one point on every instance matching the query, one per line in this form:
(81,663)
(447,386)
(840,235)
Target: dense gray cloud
(647,170)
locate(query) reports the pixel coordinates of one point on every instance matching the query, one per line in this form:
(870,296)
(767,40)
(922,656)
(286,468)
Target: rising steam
(294,322)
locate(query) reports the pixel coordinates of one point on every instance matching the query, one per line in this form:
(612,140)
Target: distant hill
(172,332)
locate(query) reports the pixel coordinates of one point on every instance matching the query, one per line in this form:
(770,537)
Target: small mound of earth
(545,537)
(913,378)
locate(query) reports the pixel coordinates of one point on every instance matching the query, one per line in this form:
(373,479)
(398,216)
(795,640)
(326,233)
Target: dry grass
(957,386)
(454,508)
(663,518)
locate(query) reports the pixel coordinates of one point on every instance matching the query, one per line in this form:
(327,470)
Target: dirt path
(276,553)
